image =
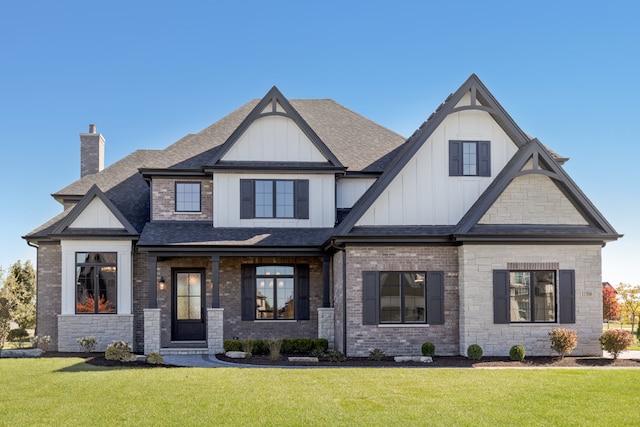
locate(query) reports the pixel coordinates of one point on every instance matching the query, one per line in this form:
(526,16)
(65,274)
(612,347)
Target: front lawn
(66,391)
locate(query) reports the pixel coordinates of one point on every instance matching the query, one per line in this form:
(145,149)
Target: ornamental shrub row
(287,345)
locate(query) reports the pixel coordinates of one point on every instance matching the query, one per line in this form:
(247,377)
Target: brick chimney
(91,152)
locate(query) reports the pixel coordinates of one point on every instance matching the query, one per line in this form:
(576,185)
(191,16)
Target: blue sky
(147,73)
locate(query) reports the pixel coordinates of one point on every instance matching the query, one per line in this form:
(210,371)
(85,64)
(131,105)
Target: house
(301,218)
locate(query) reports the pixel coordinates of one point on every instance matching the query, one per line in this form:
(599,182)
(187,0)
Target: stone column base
(326,325)
(151,330)
(215,330)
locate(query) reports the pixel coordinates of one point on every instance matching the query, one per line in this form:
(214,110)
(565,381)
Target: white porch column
(326,325)
(215,330)
(151,330)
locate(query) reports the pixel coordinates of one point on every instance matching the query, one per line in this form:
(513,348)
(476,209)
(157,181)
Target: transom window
(96,282)
(275,292)
(532,296)
(274,199)
(402,297)
(188,197)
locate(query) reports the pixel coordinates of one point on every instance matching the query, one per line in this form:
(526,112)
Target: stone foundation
(106,328)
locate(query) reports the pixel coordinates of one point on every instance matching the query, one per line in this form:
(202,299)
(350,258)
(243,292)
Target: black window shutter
(484,158)
(370,297)
(455,158)
(248,281)
(247,198)
(301,192)
(500,296)
(302,292)
(435,297)
(567,296)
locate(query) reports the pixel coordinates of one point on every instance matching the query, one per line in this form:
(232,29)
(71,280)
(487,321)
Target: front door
(188,305)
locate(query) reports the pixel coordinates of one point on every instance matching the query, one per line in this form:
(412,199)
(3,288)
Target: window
(469,158)
(275,292)
(96,282)
(188,197)
(261,198)
(403,297)
(532,296)
(521,296)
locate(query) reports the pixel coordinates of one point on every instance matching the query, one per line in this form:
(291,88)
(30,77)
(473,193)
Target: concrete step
(173,351)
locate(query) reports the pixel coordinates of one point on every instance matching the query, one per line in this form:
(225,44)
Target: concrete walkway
(210,360)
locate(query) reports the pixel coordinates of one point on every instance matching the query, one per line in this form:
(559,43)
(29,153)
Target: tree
(20,291)
(630,302)
(610,305)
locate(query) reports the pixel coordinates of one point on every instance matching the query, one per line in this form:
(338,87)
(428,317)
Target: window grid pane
(284,199)
(275,292)
(533,296)
(188,197)
(414,297)
(96,282)
(264,199)
(390,304)
(469,158)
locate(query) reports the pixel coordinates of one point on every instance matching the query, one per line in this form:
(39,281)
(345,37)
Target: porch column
(215,279)
(153,282)
(215,330)
(151,330)
(326,281)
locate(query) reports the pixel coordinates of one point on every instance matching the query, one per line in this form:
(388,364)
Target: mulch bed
(97,359)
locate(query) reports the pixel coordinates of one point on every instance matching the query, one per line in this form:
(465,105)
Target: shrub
(303,345)
(376,354)
(316,352)
(260,347)
(334,356)
(320,344)
(247,347)
(88,344)
(274,348)
(154,358)
(474,352)
(121,351)
(232,345)
(615,341)
(18,335)
(563,341)
(428,349)
(287,346)
(517,353)
(41,342)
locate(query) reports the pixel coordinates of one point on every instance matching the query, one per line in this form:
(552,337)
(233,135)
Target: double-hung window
(274,198)
(469,158)
(533,296)
(188,197)
(96,282)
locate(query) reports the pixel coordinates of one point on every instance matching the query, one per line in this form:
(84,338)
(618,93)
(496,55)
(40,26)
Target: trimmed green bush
(474,352)
(320,344)
(303,345)
(260,347)
(154,358)
(232,345)
(428,349)
(376,354)
(517,353)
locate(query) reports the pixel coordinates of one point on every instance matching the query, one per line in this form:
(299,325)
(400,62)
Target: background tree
(629,302)
(20,291)
(610,305)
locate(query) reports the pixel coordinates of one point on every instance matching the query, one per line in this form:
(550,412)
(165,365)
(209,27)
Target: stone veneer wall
(401,339)
(164,200)
(49,261)
(477,263)
(105,327)
(140,300)
(337,268)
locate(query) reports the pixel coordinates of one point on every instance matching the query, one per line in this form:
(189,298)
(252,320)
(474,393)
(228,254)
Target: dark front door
(188,305)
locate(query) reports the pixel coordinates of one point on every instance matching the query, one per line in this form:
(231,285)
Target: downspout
(344,294)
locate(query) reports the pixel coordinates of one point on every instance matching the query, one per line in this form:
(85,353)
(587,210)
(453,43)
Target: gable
(423,192)
(274,138)
(533,199)
(96,215)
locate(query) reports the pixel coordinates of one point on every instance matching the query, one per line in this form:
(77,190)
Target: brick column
(326,325)
(215,330)
(151,330)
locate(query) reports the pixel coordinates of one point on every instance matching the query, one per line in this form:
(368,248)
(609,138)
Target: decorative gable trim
(274,103)
(541,163)
(63,227)
(481,99)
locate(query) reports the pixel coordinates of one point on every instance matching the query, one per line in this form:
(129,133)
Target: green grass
(65,391)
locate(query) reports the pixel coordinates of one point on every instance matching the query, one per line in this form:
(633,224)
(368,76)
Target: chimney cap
(92,128)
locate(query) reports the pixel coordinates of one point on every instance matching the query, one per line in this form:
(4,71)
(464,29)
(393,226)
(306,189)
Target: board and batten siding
(274,138)
(226,204)
(349,190)
(96,215)
(423,193)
